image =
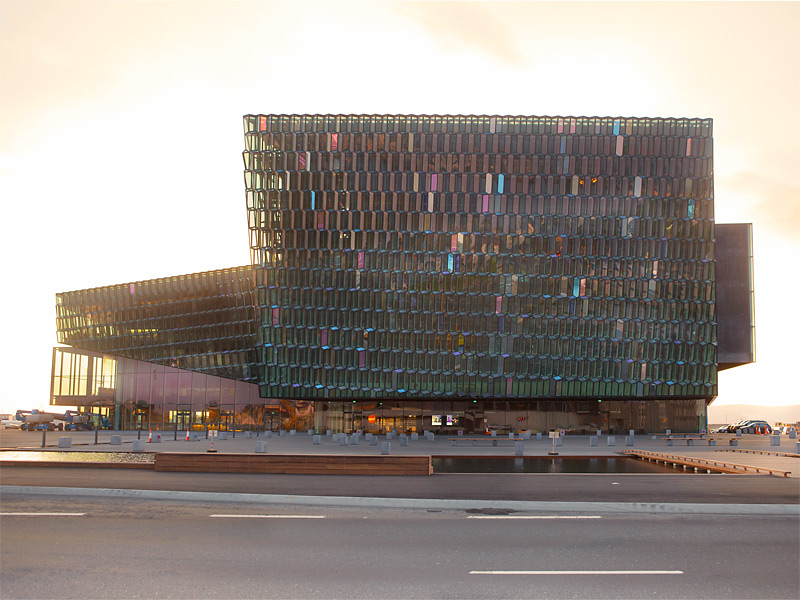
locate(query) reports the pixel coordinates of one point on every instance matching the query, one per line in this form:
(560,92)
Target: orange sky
(121,134)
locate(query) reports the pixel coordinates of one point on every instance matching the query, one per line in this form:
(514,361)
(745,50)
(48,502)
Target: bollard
(388,435)
(268,433)
(432,437)
(629,440)
(249,435)
(386,448)
(611,440)
(292,432)
(511,435)
(494,433)
(317,440)
(343,440)
(354,439)
(527,435)
(368,436)
(733,442)
(653,437)
(222,435)
(631,432)
(403,440)
(138,446)
(592,440)
(669,432)
(281,433)
(116,440)
(518,448)
(310,432)
(774,440)
(156,439)
(414,436)
(792,434)
(559,441)
(739,433)
(460,432)
(797,447)
(329,432)
(261,448)
(373,441)
(64,442)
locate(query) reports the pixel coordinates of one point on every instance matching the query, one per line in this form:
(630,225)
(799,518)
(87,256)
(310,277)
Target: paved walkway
(302,443)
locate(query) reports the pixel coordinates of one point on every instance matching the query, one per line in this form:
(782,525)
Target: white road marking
(270,516)
(40,514)
(530,517)
(576,572)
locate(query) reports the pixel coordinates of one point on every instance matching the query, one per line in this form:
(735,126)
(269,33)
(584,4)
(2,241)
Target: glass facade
(488,257)
(203,322)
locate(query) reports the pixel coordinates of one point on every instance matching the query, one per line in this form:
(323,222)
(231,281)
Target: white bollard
(629,440)
(414,436)
(222,435)
(539,435)
(343,440)
(373,441)
(511,435)
(116,440)
(248,435)
(317,440)
(354,439)
(631,432)
(669,431)
(282,433)
(261,447)
(403,440)
(518,448)
(310,432)
(526,435)
(592,440)
(267,434)
(494,433)
(292,432)
(774,440)
(792,433)
(386,448)
(329,432)
(559,441)
(64,442)
(611,440)
(797,447)
(138,445)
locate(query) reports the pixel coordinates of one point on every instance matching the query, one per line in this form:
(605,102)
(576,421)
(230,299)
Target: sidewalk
(302,443)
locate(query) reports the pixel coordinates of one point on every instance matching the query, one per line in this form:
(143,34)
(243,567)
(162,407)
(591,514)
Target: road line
(41,514)
(576,572)
(269,516)
(530,517)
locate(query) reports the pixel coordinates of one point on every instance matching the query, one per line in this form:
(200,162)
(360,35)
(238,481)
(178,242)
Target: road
(137,548)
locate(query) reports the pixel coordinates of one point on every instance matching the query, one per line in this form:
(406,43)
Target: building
(449,272)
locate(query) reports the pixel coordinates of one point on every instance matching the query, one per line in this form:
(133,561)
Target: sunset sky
(121,130)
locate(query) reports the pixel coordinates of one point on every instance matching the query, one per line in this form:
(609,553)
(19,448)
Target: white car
(11,423)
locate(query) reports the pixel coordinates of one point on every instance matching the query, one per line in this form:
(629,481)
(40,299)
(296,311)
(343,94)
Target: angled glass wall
(415,256)
(204,322)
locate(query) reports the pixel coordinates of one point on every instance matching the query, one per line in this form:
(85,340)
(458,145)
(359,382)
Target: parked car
(10,423)
(723,429)
(733,426)
(762,426)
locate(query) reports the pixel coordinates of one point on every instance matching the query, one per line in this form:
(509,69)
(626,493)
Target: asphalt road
(157,549)
(699,488)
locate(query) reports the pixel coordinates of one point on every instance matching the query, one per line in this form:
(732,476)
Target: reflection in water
(112,457)
(531,464)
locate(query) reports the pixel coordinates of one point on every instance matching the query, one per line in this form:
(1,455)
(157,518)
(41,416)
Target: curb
(416,503)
